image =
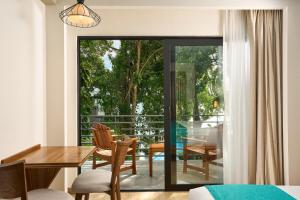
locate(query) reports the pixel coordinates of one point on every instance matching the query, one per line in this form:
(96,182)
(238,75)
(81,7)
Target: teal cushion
(248,192)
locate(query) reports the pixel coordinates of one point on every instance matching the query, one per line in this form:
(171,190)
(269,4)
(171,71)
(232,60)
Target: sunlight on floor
(144,196)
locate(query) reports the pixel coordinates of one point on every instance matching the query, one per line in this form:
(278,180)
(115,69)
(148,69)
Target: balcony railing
(147,128)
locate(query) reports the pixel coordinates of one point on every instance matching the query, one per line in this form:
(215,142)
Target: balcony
(150,129)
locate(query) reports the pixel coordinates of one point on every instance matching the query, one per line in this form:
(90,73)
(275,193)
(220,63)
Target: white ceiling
(178,3)
(49,2)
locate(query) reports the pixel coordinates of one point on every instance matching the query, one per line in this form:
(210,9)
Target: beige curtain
(266,142)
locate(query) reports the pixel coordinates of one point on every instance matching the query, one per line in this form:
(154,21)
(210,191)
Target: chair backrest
(102,137)
(121,151)
(13,181)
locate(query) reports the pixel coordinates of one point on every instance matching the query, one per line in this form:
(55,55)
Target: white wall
(22,75)
(171,18)
(292,91)
(55,85)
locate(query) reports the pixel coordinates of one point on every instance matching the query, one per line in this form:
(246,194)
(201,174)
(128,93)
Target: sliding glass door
(193,112)
(167,93)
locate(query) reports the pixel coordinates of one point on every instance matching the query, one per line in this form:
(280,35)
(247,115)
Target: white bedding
(202,193)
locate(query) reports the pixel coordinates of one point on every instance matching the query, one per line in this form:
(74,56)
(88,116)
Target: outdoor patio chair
(104,141)
(207,150)
(98,181)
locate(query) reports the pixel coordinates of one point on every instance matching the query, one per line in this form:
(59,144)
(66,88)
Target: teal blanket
(245,192)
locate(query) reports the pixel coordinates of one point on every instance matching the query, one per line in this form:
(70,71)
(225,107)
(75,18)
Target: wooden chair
(207,151)
(104,141)
(13,185)
(98,180)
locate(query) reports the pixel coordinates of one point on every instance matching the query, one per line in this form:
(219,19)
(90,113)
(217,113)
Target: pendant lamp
(79,15)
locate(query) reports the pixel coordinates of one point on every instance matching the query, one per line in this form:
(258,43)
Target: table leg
(37,178)
(150,162)
(185,158)
(133,161)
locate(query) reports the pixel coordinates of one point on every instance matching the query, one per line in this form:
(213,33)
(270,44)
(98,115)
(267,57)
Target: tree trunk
(196,116)
(134,91)
(124,107)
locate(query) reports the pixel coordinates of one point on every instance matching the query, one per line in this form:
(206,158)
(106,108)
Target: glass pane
(121,89)
(197,131)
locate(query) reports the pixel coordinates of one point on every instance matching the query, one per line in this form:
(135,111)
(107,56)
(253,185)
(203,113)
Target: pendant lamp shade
(79,15)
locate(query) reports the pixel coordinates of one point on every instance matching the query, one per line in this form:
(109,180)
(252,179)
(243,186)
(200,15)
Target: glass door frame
(170,104)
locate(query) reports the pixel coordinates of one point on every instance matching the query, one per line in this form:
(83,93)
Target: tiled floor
(144,196)
(142,180)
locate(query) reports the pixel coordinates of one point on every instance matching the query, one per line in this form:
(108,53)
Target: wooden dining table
(42,163)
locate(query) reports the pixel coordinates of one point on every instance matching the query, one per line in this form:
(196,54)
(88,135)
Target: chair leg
(133,163)
(78,196)
(112,163)
(184,161)
(206,168)
(86,196)
(118,192)
(94,162)
(113,193)
(150,162)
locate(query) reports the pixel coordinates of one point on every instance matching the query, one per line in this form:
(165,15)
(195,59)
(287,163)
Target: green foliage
(208,82)
(136,80)
(93,75)
(111,91)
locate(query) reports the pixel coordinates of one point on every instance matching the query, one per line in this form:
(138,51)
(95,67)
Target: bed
(202,193)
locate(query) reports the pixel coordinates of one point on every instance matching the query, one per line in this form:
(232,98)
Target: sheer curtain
(237,97)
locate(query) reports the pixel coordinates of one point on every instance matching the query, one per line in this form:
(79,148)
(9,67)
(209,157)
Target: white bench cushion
(47,194)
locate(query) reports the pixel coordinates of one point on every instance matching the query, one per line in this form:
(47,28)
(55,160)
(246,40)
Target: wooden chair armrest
(126,137)
(194,139)
(134,140)
(115,137)
(209,147)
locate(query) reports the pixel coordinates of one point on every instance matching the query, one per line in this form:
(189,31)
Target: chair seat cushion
(94,181)
(48,194)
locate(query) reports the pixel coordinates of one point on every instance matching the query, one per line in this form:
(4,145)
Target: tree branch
(113,48)
(149,58)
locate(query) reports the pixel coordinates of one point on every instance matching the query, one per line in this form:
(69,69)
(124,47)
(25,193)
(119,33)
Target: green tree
(93,75)
(207,82)
(136,60)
